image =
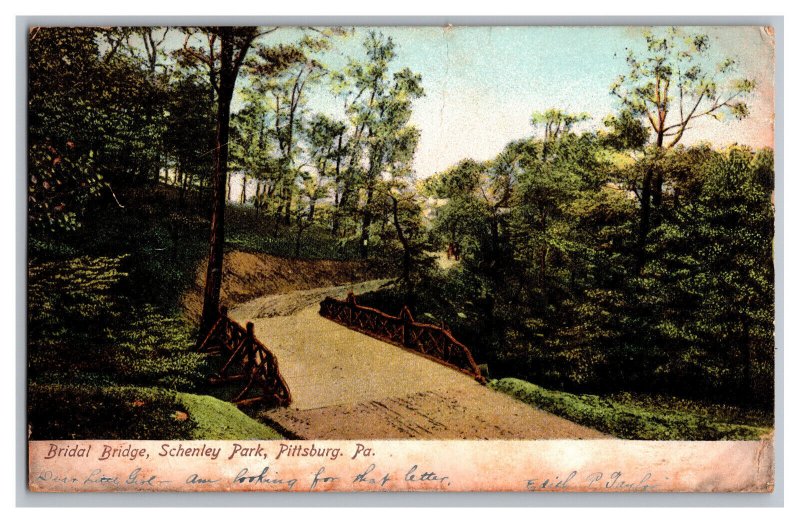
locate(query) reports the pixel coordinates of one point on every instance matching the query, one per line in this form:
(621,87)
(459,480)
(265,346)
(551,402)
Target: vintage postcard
(268,258)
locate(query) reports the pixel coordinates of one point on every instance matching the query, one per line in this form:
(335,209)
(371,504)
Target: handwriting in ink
(411,476)
(261,478)
(319,478)
(194,479)
(365,477)
(135,479)
(615,481)
(97,476)
(48,475)
(550,483)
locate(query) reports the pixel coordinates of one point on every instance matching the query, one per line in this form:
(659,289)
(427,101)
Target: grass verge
(217,419)
(628,419)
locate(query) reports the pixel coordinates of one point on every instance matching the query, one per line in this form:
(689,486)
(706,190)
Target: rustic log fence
(246,360)
(431,341)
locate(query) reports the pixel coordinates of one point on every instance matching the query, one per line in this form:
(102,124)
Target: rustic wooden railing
(244,359)
(431,341)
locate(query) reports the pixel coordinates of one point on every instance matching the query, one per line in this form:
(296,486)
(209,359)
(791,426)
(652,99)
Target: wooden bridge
(243,359)
(431,341)
(402,380)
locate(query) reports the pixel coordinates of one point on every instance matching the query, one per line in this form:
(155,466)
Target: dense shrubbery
(629,420)
(81,330)
(62,411)
(107,346)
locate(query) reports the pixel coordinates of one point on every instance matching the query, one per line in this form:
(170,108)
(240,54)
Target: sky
(482,84)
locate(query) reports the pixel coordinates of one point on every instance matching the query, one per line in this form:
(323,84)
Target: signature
(615,481)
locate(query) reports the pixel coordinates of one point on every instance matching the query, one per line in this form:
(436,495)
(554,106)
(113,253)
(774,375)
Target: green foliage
(190,127)
(61,184)
(66,411)
(559,281)
(107,350)
(148,349)
(548,287)
(556,122)
(61,411)
(710,282)
(158,350)
(252,232)
(630,419)
(67,297)
(625,132)
(93,118)
(672,83)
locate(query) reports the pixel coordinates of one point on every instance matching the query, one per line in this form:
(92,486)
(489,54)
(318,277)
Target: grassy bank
(58,411)
(257,232)
(632,417)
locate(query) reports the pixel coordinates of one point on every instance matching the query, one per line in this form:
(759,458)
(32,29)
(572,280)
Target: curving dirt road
(346,385)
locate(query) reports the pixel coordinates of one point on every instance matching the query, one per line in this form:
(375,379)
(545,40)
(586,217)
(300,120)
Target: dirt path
(346,385)
(248,276)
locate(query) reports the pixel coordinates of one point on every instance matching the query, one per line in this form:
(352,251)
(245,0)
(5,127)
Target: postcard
(422,258)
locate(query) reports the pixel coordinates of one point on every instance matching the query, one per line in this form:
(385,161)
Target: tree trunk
(657,187)
(287,218)
(404,241)
(180,180)
(311,205)
(651,196)
(366,223)
(659,181)
(213,285)
(644,219)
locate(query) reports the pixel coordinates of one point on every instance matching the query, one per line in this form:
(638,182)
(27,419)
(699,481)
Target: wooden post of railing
(351,306)
(408,319)
(250,344)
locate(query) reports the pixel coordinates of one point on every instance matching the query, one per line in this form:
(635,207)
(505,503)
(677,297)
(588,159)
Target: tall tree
(671,84)
(379,111)
(224,55)
(287,87)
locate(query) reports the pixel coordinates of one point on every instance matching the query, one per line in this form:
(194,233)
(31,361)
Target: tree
(252,148)
(282,74)
(378,103)
(555,123)
(324,138)
(190,131)
(713,314)
(93,121)
(226,51)
(671,84)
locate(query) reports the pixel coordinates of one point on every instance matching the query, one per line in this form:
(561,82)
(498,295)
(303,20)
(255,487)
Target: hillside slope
(249,275)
